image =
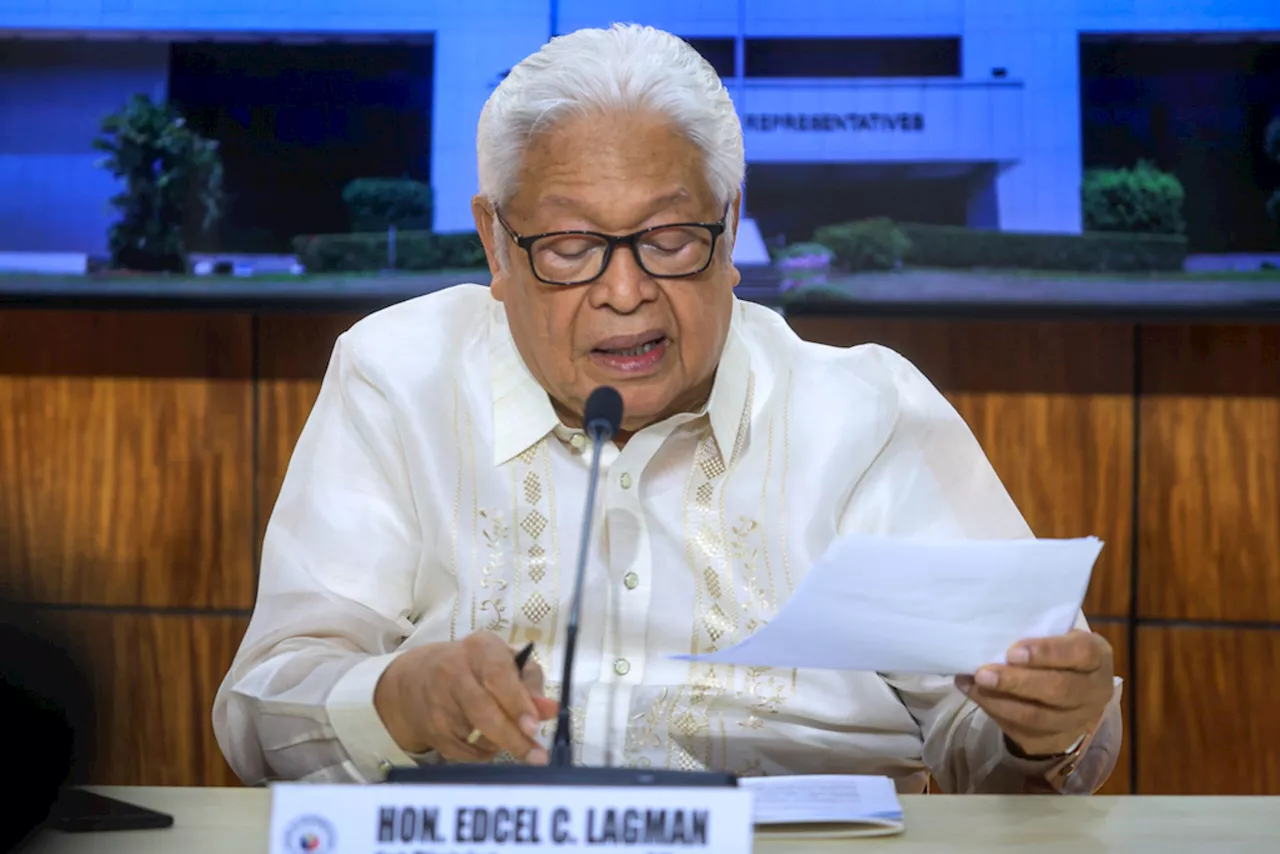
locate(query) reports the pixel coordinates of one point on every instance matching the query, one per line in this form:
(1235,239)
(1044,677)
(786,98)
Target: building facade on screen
(970,112)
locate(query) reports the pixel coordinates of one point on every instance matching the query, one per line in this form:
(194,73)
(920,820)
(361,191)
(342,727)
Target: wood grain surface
(1209,525)
(293,353)
(155,677)
(141,454)
(1051,404)
(1207,701)
(1117,634)
(126,458)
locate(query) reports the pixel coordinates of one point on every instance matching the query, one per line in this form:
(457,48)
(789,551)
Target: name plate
(435,819)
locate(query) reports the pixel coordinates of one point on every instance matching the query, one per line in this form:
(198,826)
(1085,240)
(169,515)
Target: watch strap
(1013,748)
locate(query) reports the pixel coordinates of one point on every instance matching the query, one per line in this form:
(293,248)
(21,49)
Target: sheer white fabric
(434,493)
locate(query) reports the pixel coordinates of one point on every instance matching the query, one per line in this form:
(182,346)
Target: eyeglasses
(674,251)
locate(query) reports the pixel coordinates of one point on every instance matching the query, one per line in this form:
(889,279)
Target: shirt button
(625,480)
(384,766)
(622,667)
(578,441)
(631,580)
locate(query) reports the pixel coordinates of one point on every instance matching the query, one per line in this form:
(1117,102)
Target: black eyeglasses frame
(612,241)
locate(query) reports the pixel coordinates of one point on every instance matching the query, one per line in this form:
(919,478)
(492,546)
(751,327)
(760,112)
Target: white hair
(625,67)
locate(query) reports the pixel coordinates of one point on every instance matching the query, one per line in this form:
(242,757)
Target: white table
(234,821)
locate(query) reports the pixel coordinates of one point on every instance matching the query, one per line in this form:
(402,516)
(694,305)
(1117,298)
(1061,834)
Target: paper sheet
(823,799)
(916,606)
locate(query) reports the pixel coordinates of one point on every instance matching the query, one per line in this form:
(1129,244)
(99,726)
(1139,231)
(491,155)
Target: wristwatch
(1056,769)
(1013,748)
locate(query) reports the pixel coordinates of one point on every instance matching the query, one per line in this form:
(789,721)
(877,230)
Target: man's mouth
(635,355)
(638,350)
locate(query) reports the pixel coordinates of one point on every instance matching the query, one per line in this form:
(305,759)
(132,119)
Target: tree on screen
(172,177)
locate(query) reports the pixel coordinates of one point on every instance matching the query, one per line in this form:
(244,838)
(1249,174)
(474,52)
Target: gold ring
(475,736)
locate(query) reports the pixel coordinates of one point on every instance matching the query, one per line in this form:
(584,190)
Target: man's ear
(737,218)
(482,212)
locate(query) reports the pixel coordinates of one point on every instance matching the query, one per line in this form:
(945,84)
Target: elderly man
(428,520)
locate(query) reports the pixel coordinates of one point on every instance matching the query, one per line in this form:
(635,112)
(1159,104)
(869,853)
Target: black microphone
(601,418)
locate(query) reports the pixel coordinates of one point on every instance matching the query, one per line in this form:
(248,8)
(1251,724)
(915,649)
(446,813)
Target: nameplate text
(434,819)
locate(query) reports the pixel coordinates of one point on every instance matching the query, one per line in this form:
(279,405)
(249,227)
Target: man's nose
(624,286)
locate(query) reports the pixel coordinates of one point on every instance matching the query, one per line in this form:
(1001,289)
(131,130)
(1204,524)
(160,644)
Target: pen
(522,658)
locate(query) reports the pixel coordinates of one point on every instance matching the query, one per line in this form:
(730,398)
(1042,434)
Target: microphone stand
(602,418)
(562,747)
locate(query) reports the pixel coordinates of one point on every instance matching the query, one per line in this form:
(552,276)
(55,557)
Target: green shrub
(376,204)
(872,244)
(967,248)
(802,265)
(170,175)
(824,292)
(1141,200)
(800,250)
(415,250)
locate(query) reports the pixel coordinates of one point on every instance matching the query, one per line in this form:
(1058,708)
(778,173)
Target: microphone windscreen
(602,416)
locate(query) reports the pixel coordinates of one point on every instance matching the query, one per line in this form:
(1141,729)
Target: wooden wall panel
(1117,634)
(126,458)
(293,353)
(127,478)
(1067,462)
(1210,483)
(1051,405)
(1207,701)
(155,677)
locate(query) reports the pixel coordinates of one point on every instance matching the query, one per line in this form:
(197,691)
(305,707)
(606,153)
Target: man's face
(656,340)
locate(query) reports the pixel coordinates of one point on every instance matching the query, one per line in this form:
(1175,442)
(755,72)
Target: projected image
(879,150)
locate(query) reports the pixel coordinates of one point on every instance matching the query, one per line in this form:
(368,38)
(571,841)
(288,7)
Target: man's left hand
(1052,691)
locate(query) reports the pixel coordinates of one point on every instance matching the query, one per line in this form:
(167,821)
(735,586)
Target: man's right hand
(434,696)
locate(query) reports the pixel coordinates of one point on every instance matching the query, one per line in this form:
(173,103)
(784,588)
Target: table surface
(214,821)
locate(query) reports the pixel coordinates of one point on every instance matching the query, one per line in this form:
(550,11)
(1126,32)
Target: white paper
(943,607)
(823,799)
